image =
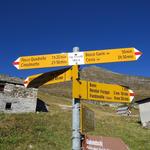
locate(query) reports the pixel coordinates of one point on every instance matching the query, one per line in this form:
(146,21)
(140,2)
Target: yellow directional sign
(77,58)
(102,92)
(41,61)
(87,120)
(111,55)
(49,78)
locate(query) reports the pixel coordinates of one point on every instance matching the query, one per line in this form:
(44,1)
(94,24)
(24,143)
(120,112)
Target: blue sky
(31,27)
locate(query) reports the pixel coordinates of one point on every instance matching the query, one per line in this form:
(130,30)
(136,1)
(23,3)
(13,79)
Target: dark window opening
(2,88)
(8,106)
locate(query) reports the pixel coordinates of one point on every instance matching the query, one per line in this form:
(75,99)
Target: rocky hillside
(140,85)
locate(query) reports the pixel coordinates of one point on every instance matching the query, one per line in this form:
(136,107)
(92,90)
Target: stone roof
(8,79)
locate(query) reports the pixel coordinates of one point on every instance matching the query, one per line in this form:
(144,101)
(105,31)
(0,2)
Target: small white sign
(76,58)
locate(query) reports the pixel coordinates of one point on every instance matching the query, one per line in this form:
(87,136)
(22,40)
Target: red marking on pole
(138,53)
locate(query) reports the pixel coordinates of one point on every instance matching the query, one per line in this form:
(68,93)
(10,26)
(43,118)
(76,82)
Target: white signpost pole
(76,137)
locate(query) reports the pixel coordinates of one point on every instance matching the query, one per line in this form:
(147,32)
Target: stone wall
(17,99)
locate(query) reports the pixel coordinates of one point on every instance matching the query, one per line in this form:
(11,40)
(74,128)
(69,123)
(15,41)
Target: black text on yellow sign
(101,92)
(41,61)
(77,58)
(47,78)
(111,55)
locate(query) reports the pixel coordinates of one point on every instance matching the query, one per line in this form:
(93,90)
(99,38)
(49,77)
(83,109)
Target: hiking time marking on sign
(111,55)
(77,58)
(47,78)
(102,92)
(41,61)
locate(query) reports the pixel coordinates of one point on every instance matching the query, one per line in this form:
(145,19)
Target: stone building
(14,97)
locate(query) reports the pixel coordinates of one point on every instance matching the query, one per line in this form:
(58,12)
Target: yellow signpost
(111,55)
(49,78)
(102,92)
(77,58)
(41,61)
(87,120)
(80,89)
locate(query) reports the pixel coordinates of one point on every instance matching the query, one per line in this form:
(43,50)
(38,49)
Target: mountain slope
(52,130)
(140,85)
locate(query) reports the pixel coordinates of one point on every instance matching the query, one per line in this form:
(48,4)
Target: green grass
(127,128)
(52,130)
(35,131)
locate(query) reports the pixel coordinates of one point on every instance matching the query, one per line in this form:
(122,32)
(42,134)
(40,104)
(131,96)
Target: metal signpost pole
(76,137)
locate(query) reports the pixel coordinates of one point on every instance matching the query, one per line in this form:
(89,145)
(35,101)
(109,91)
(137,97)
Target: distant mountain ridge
(140,85)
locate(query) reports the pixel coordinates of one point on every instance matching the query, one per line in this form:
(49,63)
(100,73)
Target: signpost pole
(76,137)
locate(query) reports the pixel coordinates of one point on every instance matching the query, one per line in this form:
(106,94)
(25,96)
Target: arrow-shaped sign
(52,77)
(102,92)
(77,58)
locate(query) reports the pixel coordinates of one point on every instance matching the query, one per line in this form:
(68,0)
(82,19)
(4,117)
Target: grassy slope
(52,130)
